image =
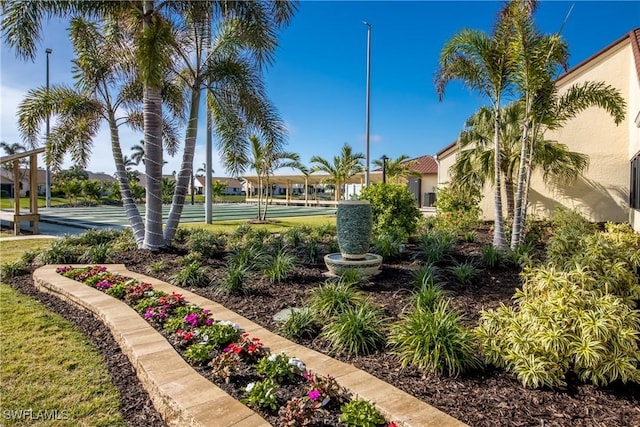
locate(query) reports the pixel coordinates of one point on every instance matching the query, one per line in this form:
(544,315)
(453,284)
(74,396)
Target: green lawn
(46,365)
(7,203)
(12,250)
(274,225)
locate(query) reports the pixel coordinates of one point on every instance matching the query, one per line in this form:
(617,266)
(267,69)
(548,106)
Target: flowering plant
(247,348)
(225,365)
(262,394)
(279,367)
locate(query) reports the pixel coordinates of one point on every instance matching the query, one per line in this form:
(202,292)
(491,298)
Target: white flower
(268,392)
(226,322)
(298,364)
(250,387)
(273,358)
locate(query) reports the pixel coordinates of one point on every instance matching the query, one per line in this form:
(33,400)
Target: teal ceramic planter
(354,221)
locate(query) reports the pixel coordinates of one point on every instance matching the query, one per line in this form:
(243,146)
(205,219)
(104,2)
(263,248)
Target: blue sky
(318,79)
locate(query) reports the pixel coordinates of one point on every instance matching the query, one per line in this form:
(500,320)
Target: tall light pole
(47,177)
(366,176)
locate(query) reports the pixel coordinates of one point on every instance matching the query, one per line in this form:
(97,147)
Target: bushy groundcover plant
(578,313)
(221,345)
(393,207)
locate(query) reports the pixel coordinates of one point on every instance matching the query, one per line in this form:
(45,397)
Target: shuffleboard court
(114,216)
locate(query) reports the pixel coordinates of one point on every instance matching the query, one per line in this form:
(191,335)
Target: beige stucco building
(610,189)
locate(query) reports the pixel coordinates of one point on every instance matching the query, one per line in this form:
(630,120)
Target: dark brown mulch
(135,405)
(487,398)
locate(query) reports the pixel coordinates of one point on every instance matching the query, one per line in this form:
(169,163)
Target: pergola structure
(288,181)
(16,216)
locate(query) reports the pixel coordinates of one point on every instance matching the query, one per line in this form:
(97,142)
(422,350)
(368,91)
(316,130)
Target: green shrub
(182,234)
(357,330)
(301,323)
(457,208)
(295,236)
(491,256)
(522,255)
(29,256)
(470,236)
(98,254)
(95,237)
(279,266)
(125,241)
(208,244)
(560,325)
(312,251)
(393,208)
(60,252)
(333,298)
(361,413)
(12,269)
(191,258)
(570,227)
(191,275)
(250,257)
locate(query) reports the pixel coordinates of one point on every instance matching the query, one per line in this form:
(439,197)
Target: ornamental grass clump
(333,298)
(464,273)
(191,275)
(278,267)
(431,337)
(60,252)
(563,322)
(389,244)
(300,324)
(356,330)
(491,256)
(97,254)
(434,245)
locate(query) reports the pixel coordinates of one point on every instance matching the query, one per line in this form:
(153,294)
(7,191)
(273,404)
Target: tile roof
(424,165)
(231,182)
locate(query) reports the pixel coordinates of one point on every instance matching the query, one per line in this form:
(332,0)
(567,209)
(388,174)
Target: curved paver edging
(184,397)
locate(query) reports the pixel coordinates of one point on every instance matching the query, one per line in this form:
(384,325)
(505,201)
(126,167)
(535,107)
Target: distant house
(610,189)
(6,180)
(234,186)
(423,185)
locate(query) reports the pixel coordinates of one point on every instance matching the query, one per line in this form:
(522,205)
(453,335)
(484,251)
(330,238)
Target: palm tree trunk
(520,213)
(130,208)
(498,227)
(266,205)
(152,113)
(508,191)
(186,169)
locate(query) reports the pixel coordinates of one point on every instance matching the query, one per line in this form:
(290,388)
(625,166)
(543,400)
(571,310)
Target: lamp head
(384,158)
(47,50)
(366,23)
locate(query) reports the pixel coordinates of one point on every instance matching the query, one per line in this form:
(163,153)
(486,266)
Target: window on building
(634,187)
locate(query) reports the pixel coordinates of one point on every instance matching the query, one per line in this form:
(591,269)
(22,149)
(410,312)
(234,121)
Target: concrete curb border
(185,398)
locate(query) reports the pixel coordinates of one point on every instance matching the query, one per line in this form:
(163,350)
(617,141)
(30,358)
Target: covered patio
(289,181)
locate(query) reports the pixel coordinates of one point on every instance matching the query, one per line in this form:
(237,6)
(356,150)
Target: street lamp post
(384,168)
(366,176)
(47,177)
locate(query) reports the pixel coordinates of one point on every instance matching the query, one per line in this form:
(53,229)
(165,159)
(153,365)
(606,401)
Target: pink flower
(314,394)
(393,425)
(191,319)
(209,321)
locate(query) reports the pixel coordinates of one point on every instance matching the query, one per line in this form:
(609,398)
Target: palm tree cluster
(344,166)
(516,58)
(147,65)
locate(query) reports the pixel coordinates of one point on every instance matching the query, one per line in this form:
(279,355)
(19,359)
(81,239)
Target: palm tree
(540,59)
(474,162)
(485,64)
(224,58)
(98,66)
(11,149)
(138,153)
(154,39)
(267,157)
(344,166)
(398,169)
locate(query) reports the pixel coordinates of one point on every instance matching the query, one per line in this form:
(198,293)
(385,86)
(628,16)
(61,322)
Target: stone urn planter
(354,220)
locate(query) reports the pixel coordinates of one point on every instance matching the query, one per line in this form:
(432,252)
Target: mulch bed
(484,398)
